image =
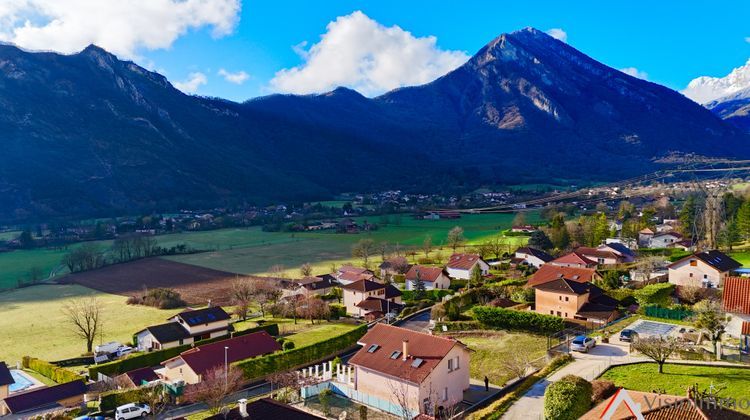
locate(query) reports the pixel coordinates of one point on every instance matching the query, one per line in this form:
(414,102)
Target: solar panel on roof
(417,362)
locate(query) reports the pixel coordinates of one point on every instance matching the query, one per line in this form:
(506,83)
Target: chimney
(242,407)
(405,349)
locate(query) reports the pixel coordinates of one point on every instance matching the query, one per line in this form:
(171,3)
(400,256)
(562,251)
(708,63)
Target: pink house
(409,369)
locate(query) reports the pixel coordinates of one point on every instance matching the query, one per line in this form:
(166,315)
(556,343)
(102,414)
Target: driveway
(419,322)
(586,365)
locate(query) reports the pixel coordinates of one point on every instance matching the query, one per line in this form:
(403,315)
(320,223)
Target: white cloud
(237,78)
(362,54)
(632,71)
(192,83)
(558,34)
(121,26)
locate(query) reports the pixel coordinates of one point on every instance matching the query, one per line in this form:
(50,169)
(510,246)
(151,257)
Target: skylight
(395,354)
(373,348)
(417,362)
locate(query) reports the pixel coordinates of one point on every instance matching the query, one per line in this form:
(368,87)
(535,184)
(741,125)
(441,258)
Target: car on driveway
(628,335)
(582,343)
(132,411)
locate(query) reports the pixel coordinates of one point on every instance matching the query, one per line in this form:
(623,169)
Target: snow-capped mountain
(734,108)
(705,89)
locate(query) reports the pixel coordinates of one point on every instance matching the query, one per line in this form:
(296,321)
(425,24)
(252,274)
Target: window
(566,314)
(691,274)
(558,313)
(566,298)
(705,276)
(551,312)
(395,354)
(559,297)
(693,263)
(450,365)
(373,348)
(445,394)
(417,362)
(457,366)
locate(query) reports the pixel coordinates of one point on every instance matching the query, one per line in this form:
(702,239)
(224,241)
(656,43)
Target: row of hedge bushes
(499,318)
(56,373)
(153,358)
(261,366)
(434,295)
(498,408)
(654,294)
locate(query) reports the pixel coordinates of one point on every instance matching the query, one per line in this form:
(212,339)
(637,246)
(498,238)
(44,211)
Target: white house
(532,256)
(432,277)
(664,239)
(184,328)
(460,266)
(702,269)
(365,297)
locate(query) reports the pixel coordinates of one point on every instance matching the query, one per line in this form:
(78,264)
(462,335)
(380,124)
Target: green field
(9,235)
(252,251)
(677,378)
(743,257)
(491,350)
(17,265)
(32,321)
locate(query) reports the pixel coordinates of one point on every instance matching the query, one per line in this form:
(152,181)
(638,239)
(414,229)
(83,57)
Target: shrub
(459,326)
(567,399)
(288,345)
(499,318)
(162,298)
(337,311)
(113,399)
(289,359)
(55,373)
(601,390)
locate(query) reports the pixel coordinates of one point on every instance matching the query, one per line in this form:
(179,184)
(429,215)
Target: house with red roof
(736,302)
(574,259)
(397,367)
(371,299)
(192,364)
(460,266)
(432,277)
(349,274)
(549,272)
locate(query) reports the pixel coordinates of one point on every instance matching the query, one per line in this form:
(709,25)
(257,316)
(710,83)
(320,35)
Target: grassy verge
(676,379)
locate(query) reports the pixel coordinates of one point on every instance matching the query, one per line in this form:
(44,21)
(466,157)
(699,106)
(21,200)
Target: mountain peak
(706,89)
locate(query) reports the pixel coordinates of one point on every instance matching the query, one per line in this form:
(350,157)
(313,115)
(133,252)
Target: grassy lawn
(252,251)
(677,378)
(32,321)
(743,257)
(303,332)
(17,265)
(491,350)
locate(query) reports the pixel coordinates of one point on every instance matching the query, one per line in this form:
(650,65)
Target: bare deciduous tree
(306,270)
(241,296)
(517,364)
(363,249)
(712,320)
(263,293)
(85,317)
(427,246)
(656,348)
(156,397)
(217,384)
(455,238)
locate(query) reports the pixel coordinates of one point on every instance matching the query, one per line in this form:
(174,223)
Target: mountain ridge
(89,134)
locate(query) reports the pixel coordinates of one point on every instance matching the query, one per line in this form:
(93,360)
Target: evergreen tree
(540,240)
(26,240)
(688,215)
(476,276)
(743,220)
(419,289)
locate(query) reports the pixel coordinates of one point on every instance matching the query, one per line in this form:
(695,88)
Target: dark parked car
(628,335)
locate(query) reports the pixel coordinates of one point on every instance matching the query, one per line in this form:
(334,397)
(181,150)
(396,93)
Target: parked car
(628,335)
(122,351)
(582,343)
(132,411)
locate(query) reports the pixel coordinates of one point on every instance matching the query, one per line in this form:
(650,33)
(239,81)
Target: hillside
(88,134)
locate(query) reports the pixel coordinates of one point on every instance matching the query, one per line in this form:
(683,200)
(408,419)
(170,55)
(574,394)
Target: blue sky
(672,42)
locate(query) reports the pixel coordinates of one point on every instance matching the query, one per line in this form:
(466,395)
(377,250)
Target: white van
(132,411)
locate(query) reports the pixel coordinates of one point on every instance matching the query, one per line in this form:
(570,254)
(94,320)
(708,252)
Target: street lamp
(226,368)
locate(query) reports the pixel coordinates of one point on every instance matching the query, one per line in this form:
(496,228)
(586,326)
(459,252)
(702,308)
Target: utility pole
(226,369)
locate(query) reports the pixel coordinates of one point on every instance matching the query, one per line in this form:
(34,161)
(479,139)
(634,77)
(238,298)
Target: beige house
(460,266)
(191,365)
(703,269)
(184,328)
(571,299)
(363,297)
(431,277)
(427,372)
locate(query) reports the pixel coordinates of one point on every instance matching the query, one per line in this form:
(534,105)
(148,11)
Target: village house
(308,286)
(192,364)
(263,409)
(394,266)
(644,237)
(703,269)
(399,367)
(531,256)
(574,259)
(460,266)
(65,395)
(432,277)
(365,297)
(136,377)
(524,229)
(665,239)
(347,274)
(736,303)
(572,299)
(602,255)
(184,328)
(549,273)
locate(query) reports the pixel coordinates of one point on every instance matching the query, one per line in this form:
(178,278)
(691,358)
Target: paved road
(420,322)
(586,365)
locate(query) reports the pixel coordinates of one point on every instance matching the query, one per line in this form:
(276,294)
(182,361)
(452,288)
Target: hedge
(654,294)
(113,399)
(498,408)
(499,318)
(153,358)
(434,295)
(261,366)
(458,326)
(55,373)
(567,399)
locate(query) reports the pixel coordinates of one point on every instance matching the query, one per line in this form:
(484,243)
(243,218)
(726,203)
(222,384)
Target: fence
(667,313)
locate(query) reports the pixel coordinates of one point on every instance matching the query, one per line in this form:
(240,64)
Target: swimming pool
(22,381)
